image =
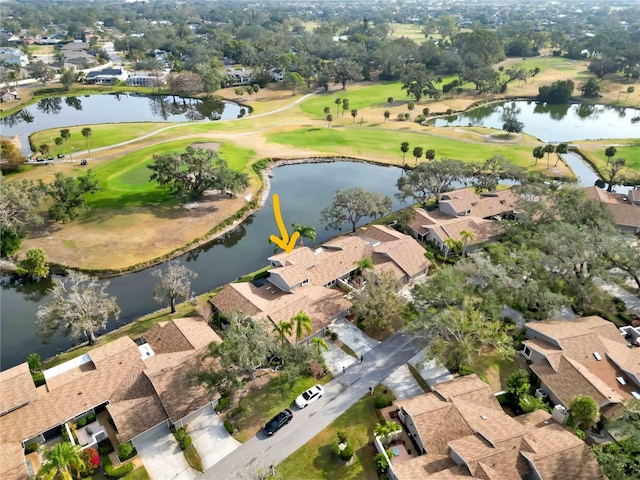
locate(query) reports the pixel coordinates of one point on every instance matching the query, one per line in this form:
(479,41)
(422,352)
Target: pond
(304,191)
(555,123)
(59,112)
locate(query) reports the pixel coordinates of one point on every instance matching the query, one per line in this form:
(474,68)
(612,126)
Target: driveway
(210,438)
(403,384)
(162,456)
(337,359)
(352,336)
(429,370)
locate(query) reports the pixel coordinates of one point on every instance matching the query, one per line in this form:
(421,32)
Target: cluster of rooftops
(459,426)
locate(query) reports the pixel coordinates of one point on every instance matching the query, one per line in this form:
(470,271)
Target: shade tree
(79,307)
(430,179)
(174,284)
(352,205)
(68,195)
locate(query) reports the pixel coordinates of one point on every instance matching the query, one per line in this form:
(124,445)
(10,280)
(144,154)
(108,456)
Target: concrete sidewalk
(353,337)
(403,384)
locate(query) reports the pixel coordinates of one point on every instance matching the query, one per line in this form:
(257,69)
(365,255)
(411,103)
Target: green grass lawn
(627,149)
(544,63)
(385,145)
(101,135)
(363,96)
(315,457)
(126,180)
(261,405)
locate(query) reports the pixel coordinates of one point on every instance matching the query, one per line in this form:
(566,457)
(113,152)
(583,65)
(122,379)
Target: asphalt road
(341,393)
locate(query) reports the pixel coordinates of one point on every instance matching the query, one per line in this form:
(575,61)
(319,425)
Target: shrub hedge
(126,451)
(229,426)
(185,442)
(116,472)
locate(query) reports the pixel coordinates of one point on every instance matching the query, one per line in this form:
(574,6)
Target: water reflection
(50,106)
(32,291)
(73,102)
(555,112)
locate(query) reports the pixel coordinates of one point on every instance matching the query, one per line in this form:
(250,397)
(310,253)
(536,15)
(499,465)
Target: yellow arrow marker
(284,243)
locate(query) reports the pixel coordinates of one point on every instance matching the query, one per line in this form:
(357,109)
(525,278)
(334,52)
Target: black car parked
(277,422)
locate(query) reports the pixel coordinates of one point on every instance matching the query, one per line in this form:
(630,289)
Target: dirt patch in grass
(117,239)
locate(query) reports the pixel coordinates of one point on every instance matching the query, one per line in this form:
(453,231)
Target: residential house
(107,75)
(464,210)
(13,56)
(463,432)
(585,356)
(147,79)
(307,278)
(277,75)
(624,208)
(239,77)
(142,387)
(8,96)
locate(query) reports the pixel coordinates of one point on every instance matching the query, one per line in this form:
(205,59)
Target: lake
(60,112)
(555,123)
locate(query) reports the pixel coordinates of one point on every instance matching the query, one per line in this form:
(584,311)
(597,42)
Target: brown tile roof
(116,375)
(627,359)
(136,416)
(12,461)
(495,203)
(572,369)
(460,200)
(625,215)
(469,388)
(492,445)
(407,254)
(180,334)
(232,299)
(16,387)
(571,379)
(560,329)
(169,375)
(323,264)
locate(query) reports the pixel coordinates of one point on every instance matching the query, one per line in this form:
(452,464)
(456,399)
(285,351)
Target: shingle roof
(492,445)
(16,387)
(115,374)
(572,369)
(469,388)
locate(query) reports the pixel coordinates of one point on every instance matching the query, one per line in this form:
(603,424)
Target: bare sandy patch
(117,239)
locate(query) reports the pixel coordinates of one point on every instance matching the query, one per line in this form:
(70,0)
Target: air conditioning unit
(541,393)
(560,414)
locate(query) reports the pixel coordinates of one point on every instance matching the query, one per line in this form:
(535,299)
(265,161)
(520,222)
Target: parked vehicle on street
(309,396)
(277,422)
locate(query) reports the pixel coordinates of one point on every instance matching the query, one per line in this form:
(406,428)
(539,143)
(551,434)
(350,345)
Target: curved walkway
(182,124)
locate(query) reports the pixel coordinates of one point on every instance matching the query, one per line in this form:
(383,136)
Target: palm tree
(466,235)
(58,141)
(354,114)
(327,111)
(417,152)
(302,321)
(387,114)
(61,460)
(86,133)
(320,343)
(329,120)
(549,149)
(630,90)
(538,153)
(304,231)
(337,101)
(430,154)
(283,329)
(404,148)
(14,77)
(65,133)
(610,152)
(452,245)
(561,149)
(364,264)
